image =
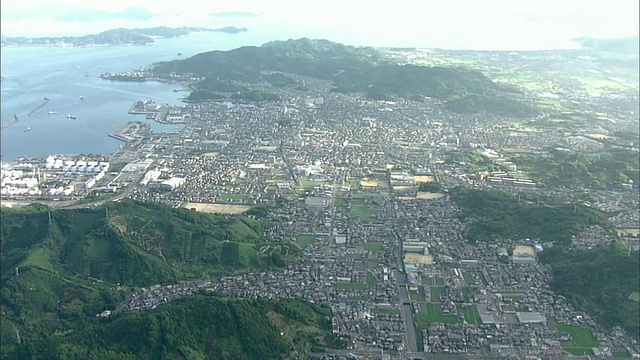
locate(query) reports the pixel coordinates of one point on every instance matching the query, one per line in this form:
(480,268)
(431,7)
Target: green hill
(61,267)
(498,215)
(352,69)
(152,243)
(611,270)
(316,58)
(202,327)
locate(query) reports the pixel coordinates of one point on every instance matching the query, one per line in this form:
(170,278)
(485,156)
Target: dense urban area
(377,197)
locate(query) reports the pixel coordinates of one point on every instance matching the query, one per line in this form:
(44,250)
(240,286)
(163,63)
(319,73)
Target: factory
(57,177)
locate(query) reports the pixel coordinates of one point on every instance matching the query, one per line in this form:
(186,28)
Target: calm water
(32,73)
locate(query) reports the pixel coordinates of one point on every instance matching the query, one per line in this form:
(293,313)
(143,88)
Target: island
(120,36)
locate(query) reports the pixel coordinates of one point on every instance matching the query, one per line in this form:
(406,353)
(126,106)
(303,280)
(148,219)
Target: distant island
(622,46)
(119,36)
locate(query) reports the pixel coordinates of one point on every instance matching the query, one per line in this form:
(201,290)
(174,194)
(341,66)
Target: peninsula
(146,36)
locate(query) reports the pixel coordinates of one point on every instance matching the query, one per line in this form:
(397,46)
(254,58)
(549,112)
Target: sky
(441,23)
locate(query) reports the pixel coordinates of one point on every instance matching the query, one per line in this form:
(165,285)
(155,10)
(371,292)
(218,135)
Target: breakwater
(38,107)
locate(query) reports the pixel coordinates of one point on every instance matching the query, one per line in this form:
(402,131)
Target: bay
(63,75)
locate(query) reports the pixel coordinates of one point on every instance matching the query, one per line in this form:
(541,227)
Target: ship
(27,129)
(71,117)
(81,97)
(52,112)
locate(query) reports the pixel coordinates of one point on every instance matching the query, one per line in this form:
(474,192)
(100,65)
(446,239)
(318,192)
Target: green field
(621,355)
(372,264)
(365,212)
(419,295)
(484,279)
(371,279)
(385,311)
(468,278)
(436,291)
(352,286)
(582,340)
(373,247)
(471,314)
(310,184)
(432,281)
(430,313)
(305,240)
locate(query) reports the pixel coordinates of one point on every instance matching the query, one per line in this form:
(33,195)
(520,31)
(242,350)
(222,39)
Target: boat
(71,117)
(81,97)
(27,129)
(46,99)
(86,74)
(52,112)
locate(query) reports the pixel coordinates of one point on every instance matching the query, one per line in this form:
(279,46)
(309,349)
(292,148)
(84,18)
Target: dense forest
(497,215)
(203,327)
(599,281)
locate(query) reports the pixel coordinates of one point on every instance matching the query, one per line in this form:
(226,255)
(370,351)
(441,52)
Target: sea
(64,75)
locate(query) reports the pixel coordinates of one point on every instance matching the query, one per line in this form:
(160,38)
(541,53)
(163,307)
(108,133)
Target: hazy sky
(400,22)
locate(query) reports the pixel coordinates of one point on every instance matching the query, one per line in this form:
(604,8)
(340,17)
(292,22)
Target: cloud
(88,15)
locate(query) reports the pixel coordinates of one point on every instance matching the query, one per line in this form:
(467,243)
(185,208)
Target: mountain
(119,36)
(623,46)
(62,267)
(315,58)
(352,69)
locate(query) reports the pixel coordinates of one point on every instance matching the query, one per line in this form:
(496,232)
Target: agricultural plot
(432,281)
(471,314)
(431,313)
(436,292)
